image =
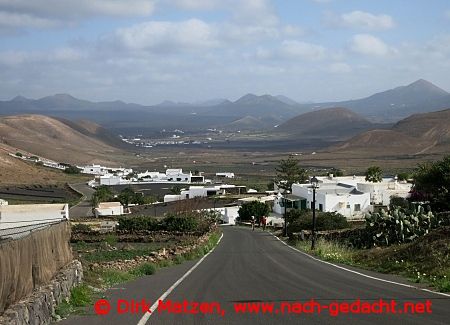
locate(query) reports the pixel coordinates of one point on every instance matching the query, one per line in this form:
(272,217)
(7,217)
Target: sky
(148,51)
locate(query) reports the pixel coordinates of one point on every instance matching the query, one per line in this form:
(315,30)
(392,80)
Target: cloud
(360,19)
(14,20)
(296,49)
(369,45)
(339,67)
(165,36)
(198,4)
(22,14)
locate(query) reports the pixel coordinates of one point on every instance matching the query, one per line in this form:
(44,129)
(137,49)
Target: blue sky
(147,51)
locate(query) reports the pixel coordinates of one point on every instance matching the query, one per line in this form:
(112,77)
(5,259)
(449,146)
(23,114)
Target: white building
(3,202)
(109,209)
(110,179)
(93,169)
(205,191)
(225,175)
(13,216)
(351,196)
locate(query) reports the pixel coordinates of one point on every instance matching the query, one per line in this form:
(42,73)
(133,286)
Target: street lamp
(314,185)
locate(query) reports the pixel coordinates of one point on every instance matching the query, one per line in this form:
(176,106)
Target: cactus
(398,227)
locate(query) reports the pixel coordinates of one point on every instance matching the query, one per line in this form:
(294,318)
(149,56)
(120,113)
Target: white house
(110,179)
(93,169)
(13,216)
(109,209)
(205,191)
(225,175)
(3,202)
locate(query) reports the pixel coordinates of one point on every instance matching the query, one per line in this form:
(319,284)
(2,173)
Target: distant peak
(20,98)
(64,96)
(425,84)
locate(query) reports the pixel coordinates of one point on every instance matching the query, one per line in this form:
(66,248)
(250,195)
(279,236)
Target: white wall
(111,211)
(31,214)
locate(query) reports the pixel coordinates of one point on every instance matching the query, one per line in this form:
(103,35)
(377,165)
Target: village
(350,196)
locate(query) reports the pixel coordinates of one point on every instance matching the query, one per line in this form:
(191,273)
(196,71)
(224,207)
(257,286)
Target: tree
(102,194)
(374,174)
(253,208)
(72,170)
(288,173)
(175,190)
(432,183)
(128,196)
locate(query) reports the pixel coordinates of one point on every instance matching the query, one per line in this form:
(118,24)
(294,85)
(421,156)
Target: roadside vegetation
(139,247)
(410,239)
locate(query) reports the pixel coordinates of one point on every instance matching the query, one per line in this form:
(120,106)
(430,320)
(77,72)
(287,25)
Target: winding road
(249,268)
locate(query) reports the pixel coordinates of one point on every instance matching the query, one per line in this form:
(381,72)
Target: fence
(30,256)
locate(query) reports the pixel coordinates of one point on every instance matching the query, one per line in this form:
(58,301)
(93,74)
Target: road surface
(253,266)
(84,207)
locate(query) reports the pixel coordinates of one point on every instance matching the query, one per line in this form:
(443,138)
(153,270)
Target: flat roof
(32,207)
(105,205)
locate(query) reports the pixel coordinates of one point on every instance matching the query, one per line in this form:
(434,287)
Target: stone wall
(39,307)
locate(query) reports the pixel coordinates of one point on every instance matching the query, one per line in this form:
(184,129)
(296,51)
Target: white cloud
(369,45)
(197,4)
(339,67)
(361,19)
(297,49)
(165,36)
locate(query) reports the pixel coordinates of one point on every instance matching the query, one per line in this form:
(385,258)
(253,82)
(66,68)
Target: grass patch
(112,277)
(80,297)
(144,269)
(426,260)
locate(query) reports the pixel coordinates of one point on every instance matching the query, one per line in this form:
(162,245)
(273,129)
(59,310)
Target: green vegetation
(288,173)
(19,154)
(102,194)
(432,183)
(374,174)
(253,208)
(184,222)
(302,220)
(80,297)
(128,196)
(425,260)
(73,170)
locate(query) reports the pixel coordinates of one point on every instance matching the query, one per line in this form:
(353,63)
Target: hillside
(50,138)
(395,104)
(330,122)
(417,134)
(14,171)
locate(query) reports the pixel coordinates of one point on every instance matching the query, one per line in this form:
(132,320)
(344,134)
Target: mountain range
(250,112)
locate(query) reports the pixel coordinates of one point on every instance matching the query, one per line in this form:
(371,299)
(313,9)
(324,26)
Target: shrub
(138,224)
(72,170)
(253,208)
(81,227)
(19,154)
(302,220)
(180,223)
(145,269)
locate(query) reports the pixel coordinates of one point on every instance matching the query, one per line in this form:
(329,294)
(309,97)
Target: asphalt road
(253,266)
(84,208)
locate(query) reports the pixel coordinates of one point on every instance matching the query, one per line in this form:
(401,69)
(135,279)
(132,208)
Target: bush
(72,170)
(81,227)
(253,208)
(19,154)
(180,223)
(302,220)
(138,224)
(145,269)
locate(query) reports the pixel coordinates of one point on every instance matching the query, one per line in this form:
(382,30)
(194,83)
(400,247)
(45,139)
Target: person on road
(263,221)
(253,222)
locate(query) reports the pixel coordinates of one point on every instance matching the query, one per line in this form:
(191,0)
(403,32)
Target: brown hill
(330,122)
(50,138)
(417,134)
(14,171)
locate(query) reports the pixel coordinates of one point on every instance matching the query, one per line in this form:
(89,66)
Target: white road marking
(147,315)
(362,274)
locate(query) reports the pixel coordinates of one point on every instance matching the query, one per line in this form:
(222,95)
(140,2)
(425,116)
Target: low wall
(31,262)
(39,307)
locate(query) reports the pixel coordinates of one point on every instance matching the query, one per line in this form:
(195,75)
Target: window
(348,206)
(357,207)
